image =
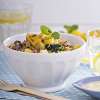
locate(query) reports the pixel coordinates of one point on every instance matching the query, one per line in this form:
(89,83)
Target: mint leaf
(71,28)
(45,30)
(74,27)
(56,35)
(68,28)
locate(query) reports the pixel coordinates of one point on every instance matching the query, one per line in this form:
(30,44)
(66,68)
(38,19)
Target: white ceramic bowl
(43,70)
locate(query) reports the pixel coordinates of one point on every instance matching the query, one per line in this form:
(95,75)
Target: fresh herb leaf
(68,28)
(45,30)
(71,28)
(56,35)
(74,27)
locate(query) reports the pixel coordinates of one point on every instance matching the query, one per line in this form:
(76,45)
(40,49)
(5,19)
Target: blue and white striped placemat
(69,92)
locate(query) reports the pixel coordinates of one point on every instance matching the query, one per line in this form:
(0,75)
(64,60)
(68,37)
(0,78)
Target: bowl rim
(93,29)
(78,84)
(59,53)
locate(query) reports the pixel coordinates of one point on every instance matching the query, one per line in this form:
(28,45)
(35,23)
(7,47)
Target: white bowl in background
(45,71)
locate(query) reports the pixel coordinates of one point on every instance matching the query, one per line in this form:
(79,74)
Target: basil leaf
(56,35)
(45,30)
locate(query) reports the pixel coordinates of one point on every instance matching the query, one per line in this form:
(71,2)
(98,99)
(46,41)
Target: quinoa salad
(44,42)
